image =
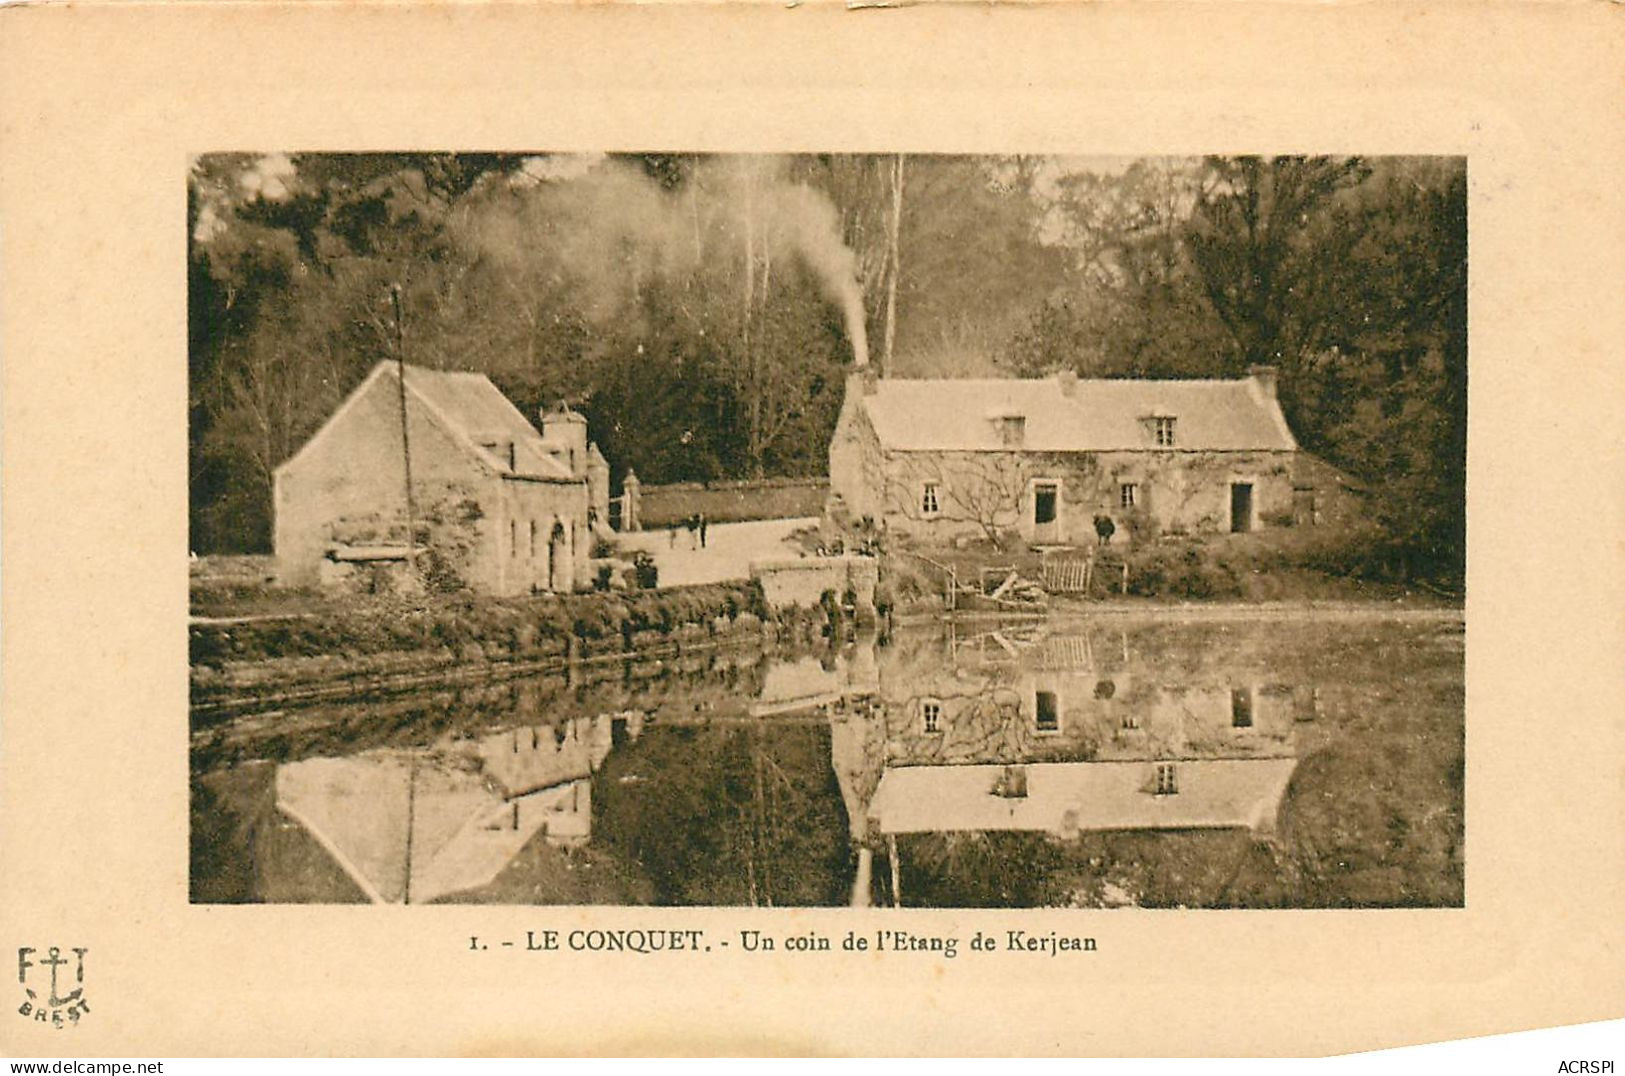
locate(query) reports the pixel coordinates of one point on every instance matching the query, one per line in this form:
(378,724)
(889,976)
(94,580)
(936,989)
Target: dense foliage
(701,311)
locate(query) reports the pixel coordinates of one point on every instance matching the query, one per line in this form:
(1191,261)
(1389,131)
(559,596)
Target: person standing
(1104,528)
(702,530)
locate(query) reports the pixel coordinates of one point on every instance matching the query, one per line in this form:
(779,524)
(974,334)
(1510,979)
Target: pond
(1296,761)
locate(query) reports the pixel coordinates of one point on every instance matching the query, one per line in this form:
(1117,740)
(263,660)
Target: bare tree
(894,263)
(981,489)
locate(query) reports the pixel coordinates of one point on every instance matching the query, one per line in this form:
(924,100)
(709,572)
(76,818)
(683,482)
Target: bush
(1182,570)
(502,628)
(645,570)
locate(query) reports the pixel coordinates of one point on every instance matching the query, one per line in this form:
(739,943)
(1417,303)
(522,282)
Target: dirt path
(729,549)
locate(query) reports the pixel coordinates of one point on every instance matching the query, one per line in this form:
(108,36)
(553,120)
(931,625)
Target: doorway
(1047,711)
(1046,511)
(557,560)
(1241,507)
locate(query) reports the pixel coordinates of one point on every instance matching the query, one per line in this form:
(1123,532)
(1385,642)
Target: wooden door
(1046,511)
(1241,506)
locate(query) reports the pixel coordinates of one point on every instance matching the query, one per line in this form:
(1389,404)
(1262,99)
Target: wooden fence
(1075,575)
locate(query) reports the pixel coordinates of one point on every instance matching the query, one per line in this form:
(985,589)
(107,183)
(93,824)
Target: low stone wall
(732,502)
(803,580)
(279,656)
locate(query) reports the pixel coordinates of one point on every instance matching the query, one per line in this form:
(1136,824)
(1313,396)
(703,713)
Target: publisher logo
(55,985)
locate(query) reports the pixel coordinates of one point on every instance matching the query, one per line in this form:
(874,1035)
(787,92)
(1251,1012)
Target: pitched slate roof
(1067,797)
(479,412)
(407,831)
(1099,416)
(470,409)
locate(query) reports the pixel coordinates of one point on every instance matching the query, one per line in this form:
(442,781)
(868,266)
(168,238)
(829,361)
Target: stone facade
(498,508)
(1049,495)
(1013,711)
(803,580)
(1022,727)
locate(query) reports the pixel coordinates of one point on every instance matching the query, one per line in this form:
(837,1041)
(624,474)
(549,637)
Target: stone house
(942,460)
(413,829)
(1066,733)
(498,507)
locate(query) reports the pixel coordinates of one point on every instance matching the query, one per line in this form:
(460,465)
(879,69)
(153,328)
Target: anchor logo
(58,1004)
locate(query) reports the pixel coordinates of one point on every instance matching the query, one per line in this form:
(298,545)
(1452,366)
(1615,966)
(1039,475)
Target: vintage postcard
(1080,530)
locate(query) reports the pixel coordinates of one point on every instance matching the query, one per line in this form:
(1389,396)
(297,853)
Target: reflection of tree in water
(728,815)
(982,722)
(980,870)
(425,718)
(1192,868)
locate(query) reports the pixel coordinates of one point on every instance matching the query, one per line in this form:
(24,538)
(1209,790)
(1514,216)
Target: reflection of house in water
(812,683)
(412,827)
(1065,733)
(1066,798)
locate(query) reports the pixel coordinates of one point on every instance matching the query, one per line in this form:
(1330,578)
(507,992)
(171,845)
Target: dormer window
(1167,779)
(1163,430)
(1012,430)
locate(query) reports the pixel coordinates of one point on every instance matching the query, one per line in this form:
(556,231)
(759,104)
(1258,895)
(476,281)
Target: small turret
(564,432)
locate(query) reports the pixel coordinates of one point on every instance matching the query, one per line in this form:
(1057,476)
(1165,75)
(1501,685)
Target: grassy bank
(251,639)
(1280,565)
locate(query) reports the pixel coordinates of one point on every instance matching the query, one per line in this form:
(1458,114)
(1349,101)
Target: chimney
(564,433)
(1069,382)
(1264,378)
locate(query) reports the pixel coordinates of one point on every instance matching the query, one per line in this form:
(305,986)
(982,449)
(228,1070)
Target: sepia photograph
(710,530)
(845,530)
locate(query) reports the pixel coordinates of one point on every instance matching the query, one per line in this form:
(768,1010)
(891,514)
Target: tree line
(702,311)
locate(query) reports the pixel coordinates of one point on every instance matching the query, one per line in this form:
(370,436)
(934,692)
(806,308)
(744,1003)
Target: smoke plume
(811,228)
(604,230)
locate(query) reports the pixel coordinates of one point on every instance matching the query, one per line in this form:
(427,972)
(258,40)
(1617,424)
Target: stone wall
(732,501)
(526,554)
(1174,492)
(348,485)
(857,474)
(987,711)
(484,532)
(803,580)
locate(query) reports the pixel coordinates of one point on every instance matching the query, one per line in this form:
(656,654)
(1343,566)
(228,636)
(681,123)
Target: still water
(1310,761)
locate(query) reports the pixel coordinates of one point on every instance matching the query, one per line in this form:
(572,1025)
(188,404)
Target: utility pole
(893,234)
(406,444)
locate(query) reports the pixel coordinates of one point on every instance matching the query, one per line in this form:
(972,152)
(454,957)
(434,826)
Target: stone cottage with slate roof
(499,507)
(942,460)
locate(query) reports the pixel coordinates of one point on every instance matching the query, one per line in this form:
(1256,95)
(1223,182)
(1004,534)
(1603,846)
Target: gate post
(630,487)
